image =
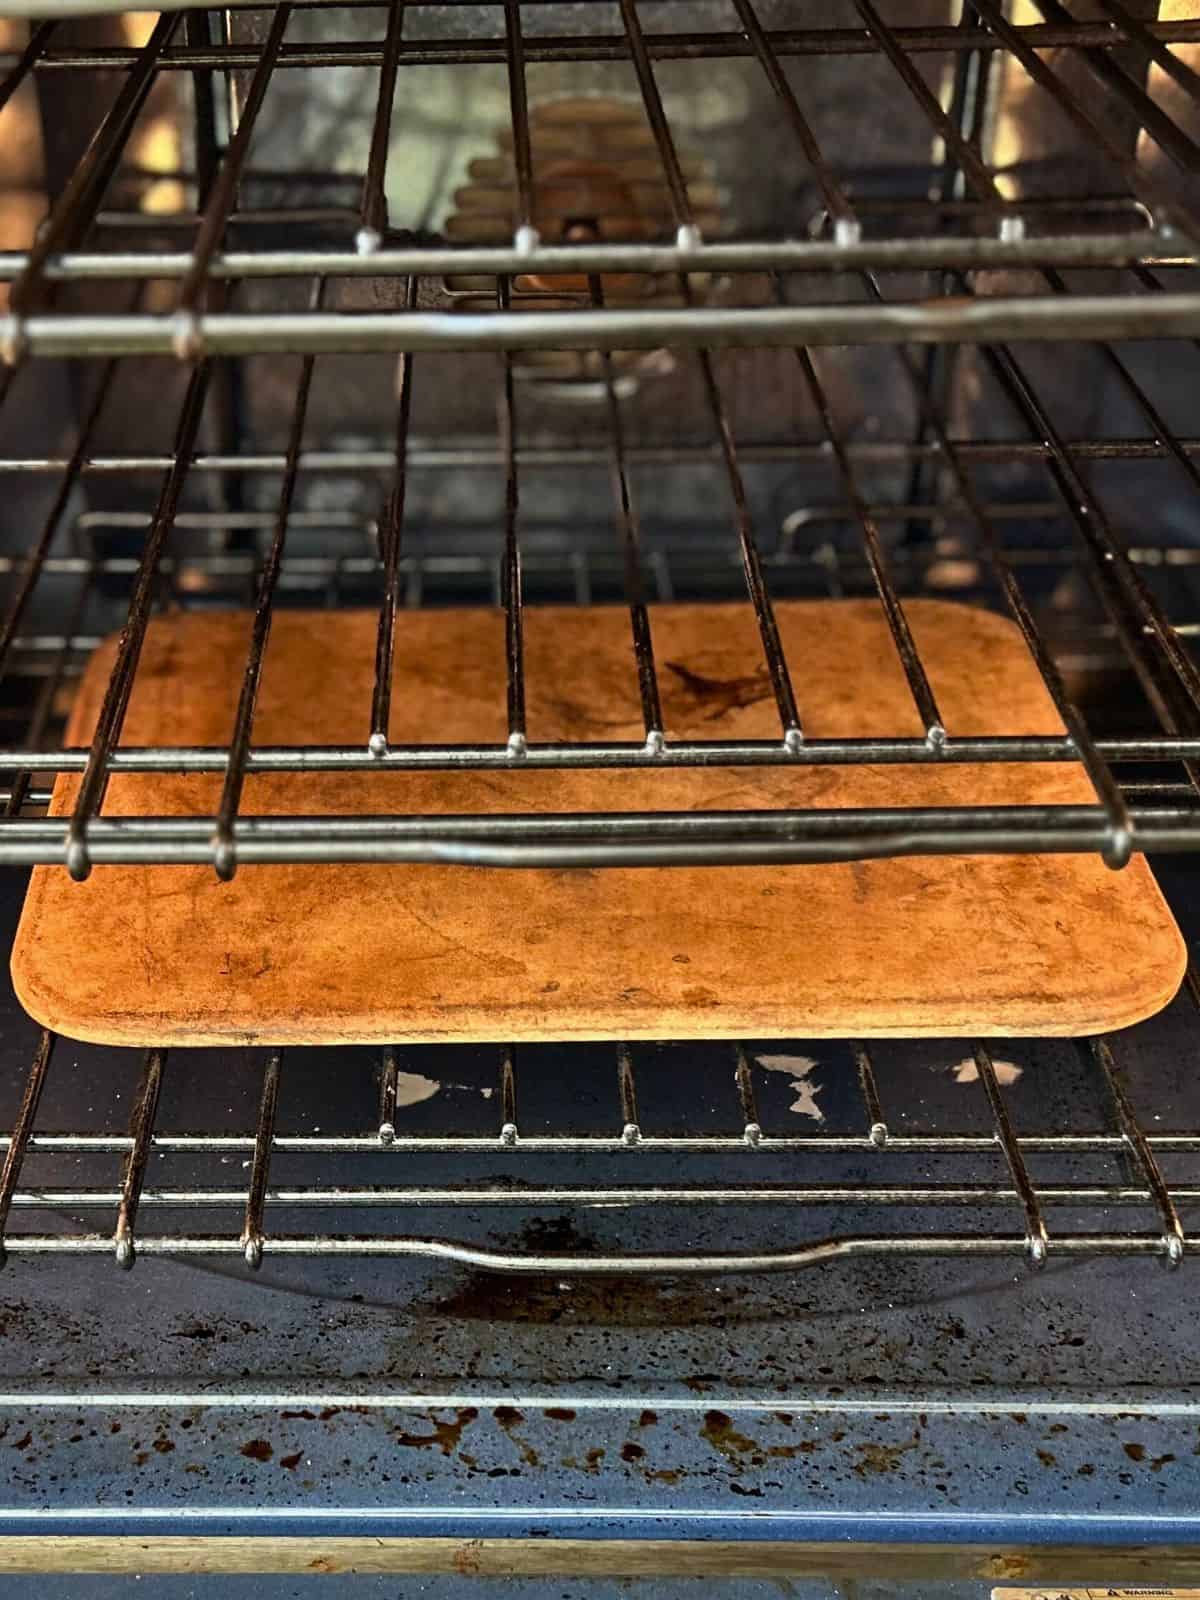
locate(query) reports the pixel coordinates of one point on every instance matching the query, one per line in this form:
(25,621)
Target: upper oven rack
(997,266)
(842,234)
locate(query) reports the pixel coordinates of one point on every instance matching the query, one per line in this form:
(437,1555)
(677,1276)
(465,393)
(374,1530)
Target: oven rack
(842,233)
(1150,639)
(243,284)
(1030,1232)
(1162,809)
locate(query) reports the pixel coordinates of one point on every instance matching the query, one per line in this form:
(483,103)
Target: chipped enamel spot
(799,1069)
(413,1087)
(966,1071)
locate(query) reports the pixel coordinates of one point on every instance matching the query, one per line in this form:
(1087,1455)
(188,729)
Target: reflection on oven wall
(451,114)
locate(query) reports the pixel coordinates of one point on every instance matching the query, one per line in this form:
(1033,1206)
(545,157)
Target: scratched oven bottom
(945,1400)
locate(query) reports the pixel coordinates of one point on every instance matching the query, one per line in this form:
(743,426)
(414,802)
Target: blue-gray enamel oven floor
(887,1396)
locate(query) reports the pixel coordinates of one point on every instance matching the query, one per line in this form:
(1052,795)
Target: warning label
(1147,1593)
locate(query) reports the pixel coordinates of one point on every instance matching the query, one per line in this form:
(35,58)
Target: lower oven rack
(1010,1216)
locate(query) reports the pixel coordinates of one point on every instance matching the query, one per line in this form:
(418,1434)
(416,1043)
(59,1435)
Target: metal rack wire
(1032,1206)
(830,280)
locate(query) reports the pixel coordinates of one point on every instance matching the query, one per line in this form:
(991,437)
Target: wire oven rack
(1028,1204)
(990,258)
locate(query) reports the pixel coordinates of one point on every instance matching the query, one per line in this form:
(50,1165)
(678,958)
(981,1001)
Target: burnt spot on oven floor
(874,1459)
(445,1433)
(510,1419)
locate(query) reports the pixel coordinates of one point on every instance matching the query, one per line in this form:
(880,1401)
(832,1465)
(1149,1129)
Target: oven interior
(915,314)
